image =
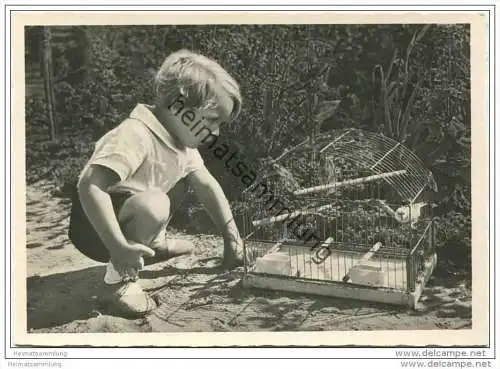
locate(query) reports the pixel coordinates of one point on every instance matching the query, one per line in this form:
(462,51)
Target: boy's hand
(128,259)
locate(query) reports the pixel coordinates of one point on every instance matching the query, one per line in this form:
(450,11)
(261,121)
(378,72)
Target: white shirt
(141,151)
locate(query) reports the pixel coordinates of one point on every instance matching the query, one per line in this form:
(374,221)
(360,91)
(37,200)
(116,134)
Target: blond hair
(199,79)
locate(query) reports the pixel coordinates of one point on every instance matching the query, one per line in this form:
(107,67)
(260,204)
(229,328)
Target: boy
(140,171)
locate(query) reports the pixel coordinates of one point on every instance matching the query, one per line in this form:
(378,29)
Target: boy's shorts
(81,232)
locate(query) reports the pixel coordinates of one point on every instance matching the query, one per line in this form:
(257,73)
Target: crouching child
(140,171)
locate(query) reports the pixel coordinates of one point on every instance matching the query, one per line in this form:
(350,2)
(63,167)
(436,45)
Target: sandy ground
(195,294)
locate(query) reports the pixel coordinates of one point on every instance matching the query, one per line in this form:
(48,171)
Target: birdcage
(349,216)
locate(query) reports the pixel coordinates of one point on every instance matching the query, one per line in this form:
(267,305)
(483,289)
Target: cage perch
(279,218)
(383,205)
(348,182)
(277,246)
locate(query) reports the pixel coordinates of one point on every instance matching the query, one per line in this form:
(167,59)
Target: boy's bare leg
(144,218)
(164,246)
(233,249)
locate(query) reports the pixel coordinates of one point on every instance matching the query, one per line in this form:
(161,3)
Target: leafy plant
(398,90)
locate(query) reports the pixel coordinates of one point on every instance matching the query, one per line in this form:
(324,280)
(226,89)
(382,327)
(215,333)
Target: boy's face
(194,127)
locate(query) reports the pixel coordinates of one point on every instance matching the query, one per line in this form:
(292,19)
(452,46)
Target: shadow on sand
(64,297)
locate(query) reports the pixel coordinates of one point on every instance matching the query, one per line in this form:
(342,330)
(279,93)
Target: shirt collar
(143,113)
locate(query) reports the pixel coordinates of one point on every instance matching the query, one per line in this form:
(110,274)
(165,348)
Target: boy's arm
(98,207)
(209,191)
(97,204)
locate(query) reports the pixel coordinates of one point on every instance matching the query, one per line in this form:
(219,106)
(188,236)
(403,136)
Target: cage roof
(380,155)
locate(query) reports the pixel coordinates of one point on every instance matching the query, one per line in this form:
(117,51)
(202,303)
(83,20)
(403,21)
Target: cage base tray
(344,290)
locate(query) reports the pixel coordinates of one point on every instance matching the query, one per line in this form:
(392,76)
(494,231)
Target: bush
(453,233)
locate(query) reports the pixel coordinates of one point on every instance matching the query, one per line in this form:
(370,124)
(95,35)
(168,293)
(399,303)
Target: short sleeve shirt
(141,151)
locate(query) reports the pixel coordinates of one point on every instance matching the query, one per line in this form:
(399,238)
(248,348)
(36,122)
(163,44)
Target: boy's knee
(143,215)
(149,206)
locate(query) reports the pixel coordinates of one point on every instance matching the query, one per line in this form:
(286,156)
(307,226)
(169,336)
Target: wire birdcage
(349,208)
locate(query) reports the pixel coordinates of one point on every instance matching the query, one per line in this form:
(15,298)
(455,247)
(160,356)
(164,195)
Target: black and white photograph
(248,177)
